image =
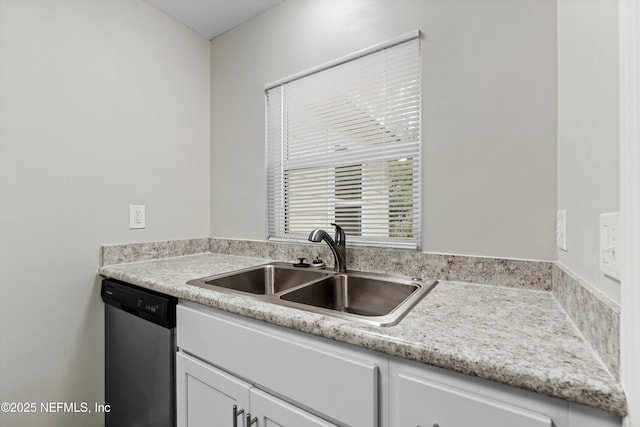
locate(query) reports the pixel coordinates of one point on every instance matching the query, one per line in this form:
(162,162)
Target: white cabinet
(209,397)
(426,396)
(326,380)
(426,403)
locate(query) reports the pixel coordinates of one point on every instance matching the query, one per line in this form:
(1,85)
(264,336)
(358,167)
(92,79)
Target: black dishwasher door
(140,346)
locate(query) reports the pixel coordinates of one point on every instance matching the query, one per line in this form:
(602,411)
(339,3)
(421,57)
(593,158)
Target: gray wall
(102,104)
(489,113)
(588,147)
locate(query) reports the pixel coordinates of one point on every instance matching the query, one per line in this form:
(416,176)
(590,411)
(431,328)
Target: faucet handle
(341,237)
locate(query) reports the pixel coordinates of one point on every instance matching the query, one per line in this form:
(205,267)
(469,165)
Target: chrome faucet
(337,246)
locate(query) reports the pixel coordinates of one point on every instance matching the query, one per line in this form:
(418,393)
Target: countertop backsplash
(595,315)
(145,251)
(514,273)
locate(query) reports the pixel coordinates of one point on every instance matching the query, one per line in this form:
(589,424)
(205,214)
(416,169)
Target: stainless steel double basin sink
(378,299)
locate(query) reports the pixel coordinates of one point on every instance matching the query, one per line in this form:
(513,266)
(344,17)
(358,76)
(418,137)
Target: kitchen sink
(374,298)
(378,299)
(353,294)
(266,279)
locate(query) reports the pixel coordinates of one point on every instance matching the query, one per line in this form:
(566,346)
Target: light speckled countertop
(517,337)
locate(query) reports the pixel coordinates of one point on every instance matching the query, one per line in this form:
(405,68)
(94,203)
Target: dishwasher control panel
(147,304)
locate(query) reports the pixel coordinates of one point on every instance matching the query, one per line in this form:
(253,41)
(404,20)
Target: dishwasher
(139,356)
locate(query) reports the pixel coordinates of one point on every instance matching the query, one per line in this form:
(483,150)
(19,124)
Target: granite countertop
(512,336)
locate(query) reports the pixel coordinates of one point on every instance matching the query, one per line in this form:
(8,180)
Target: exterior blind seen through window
(343,146)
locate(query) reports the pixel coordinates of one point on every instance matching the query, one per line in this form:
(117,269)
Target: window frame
(276,227)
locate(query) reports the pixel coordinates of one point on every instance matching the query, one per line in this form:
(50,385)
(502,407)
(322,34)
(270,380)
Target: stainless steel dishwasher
(140,349)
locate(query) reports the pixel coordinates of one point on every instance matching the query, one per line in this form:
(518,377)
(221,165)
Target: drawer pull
(250,421)
(236,413)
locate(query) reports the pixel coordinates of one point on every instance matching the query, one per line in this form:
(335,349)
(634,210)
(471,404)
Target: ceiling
(212,17)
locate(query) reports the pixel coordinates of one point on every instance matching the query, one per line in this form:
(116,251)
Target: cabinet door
(205,395)
(425,403)
(273,412)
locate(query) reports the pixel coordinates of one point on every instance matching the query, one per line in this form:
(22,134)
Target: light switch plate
(561,230)
(609,253)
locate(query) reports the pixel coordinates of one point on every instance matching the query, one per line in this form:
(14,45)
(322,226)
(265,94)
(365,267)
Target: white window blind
(343,146)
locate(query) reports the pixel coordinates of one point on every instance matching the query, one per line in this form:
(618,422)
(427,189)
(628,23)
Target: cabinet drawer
(339,385)
(426,403)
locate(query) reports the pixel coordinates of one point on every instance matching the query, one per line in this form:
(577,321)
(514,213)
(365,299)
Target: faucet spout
(338,246)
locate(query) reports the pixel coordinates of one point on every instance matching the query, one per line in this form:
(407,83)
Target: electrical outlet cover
(137,216)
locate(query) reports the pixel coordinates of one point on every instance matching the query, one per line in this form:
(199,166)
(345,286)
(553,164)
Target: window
(343,146)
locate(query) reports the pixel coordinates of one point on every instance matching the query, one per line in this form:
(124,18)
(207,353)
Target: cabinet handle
(250,421)
(236,413)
